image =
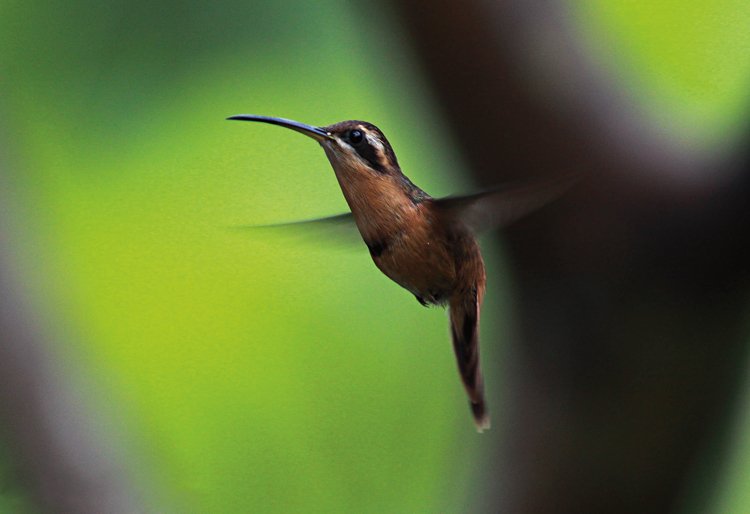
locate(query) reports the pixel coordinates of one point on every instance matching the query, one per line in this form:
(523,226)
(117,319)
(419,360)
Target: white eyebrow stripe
(375,143)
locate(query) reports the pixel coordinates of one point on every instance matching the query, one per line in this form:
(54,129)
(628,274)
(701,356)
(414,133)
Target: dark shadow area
(631,292)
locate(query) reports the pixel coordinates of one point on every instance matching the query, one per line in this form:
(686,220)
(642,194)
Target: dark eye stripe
(368,153)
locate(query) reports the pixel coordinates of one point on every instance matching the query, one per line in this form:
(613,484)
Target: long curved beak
(316,133)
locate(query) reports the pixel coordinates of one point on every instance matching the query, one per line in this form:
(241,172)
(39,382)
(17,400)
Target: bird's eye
(356,137)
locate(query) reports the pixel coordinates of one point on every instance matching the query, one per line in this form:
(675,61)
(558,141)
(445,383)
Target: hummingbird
(426,245)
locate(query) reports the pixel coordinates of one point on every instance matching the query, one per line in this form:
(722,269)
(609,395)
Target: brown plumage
(426,245)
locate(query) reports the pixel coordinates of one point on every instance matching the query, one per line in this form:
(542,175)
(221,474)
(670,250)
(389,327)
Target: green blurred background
(237,372)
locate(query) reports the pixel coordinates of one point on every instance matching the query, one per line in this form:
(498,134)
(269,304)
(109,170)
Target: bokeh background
(227,371)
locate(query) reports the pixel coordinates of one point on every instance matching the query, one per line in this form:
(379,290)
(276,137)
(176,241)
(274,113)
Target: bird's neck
(378,202)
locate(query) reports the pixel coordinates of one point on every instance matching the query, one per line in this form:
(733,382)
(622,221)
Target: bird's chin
(334,154)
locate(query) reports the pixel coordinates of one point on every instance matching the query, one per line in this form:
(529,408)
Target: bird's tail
(464,318)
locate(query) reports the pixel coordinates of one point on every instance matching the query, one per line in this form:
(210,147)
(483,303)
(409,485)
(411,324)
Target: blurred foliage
(686,62)
(259,373)
(13,496)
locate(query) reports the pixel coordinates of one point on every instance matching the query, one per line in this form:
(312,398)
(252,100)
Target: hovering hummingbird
(426,245)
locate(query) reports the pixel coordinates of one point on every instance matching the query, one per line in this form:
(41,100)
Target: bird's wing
(502,205)
(337,229)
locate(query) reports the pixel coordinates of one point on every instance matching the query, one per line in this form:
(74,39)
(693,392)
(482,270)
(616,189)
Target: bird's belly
(424,267)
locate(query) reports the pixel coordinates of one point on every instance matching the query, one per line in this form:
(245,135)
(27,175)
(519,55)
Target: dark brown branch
(61,460)
(631,291)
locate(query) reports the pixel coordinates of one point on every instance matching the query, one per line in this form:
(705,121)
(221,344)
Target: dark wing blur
(338,229)
(502,205)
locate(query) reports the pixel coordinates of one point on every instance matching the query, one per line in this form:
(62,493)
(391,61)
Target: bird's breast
(420,255)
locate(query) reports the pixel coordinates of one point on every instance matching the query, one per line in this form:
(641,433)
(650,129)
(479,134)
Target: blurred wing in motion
(483,211)
(503,205)
(339,229)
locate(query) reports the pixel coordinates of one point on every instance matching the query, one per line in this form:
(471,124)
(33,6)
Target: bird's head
(363,160)
(351,146)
